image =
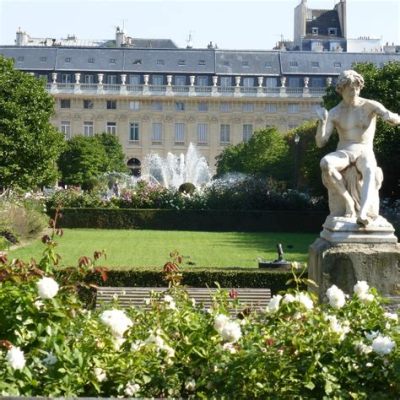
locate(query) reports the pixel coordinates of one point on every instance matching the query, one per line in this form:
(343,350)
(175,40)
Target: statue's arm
(324,128)
(385,114)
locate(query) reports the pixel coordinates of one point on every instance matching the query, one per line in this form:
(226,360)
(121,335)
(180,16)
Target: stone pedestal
(343,264)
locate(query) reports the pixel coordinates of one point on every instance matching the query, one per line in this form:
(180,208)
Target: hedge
(198,220)
(229,278)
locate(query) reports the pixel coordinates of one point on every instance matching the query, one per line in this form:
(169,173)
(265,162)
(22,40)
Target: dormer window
(181,62)
(160,62)
(91,60)
(315,64)
(202,62)
(332,31)
(293,64)
(314,31)
(245,64)
(68,59)
(137,62)
(112,61)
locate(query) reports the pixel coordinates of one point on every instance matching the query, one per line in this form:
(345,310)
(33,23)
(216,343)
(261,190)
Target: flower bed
(50,345)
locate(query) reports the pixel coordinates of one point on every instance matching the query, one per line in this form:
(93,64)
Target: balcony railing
(182,91)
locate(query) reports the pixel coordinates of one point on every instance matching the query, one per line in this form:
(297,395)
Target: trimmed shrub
(199,220)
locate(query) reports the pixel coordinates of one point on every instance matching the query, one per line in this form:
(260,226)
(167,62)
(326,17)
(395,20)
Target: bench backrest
(136,296)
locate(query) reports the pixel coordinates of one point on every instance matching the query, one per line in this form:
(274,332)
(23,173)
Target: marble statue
(350,173)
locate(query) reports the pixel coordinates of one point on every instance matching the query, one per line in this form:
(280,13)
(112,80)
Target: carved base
(346,230)
(345,264)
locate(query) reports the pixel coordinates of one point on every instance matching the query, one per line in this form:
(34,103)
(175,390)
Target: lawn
(150,248)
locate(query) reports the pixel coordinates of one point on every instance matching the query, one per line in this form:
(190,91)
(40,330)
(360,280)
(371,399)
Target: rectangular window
(157,80)
(225,107)
(65,103)
(134,105)
(202,81)
(134,79)
(67,59)
(315,64)
(65,128)
(271,108)
(201,62)
(202,134)
(226,81)
(247,107)
(66,78)
(248,82)
(181,62)
(156,134)
(179,133)
(134,132)
(88,128)
(91,60)
(111,79)
(225,134)
(202,106)
(293,108)
(111,127)
(293,64)
(43,59)
(156,105)
(160,62)
(332,31)
(314,31)
(111,104)
(89,79)
(180,80)
(247,132)
(271,82)
(179,106)
(87,104)
(337,64)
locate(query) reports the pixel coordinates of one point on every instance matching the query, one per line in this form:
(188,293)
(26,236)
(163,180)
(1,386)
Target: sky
(231,24)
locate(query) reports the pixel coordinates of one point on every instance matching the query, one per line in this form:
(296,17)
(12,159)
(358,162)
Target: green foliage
(266,154)
(29,144)
(21,218)
(50,345)
(85,159)
(381,84)
(309,157)
(115,161)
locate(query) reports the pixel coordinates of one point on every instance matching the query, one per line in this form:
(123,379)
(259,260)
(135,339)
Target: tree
(29,144)
(381,84)
(115,160)
(86,158)
(266,153)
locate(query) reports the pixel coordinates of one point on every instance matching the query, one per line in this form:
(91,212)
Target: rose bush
(50,345)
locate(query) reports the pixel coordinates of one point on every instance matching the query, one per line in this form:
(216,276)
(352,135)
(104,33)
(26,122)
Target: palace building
(157,97)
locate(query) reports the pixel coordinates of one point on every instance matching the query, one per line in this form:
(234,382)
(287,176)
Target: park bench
(136,296)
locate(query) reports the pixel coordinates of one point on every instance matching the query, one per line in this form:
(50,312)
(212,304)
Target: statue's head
(349,78)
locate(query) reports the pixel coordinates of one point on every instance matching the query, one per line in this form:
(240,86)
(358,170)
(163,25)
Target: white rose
(131,388)
(391,316)
(361,288)
(383,345)
(117,321)
(100,374)
(16,358)
(231,332)
(273,305)
(288,298)
(220,321)
(190,385)
(305,300)
(336,297)
(47,288)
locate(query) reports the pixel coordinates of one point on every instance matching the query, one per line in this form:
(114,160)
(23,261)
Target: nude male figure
(355,121)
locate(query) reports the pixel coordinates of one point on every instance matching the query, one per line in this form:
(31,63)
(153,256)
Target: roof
(189,61)
(323,20)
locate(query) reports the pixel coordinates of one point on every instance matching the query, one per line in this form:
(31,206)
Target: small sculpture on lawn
(350,173)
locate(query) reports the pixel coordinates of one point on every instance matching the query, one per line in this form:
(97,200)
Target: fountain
(173,171)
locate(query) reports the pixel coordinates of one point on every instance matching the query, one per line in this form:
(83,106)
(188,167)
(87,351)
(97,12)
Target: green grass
(146,248)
